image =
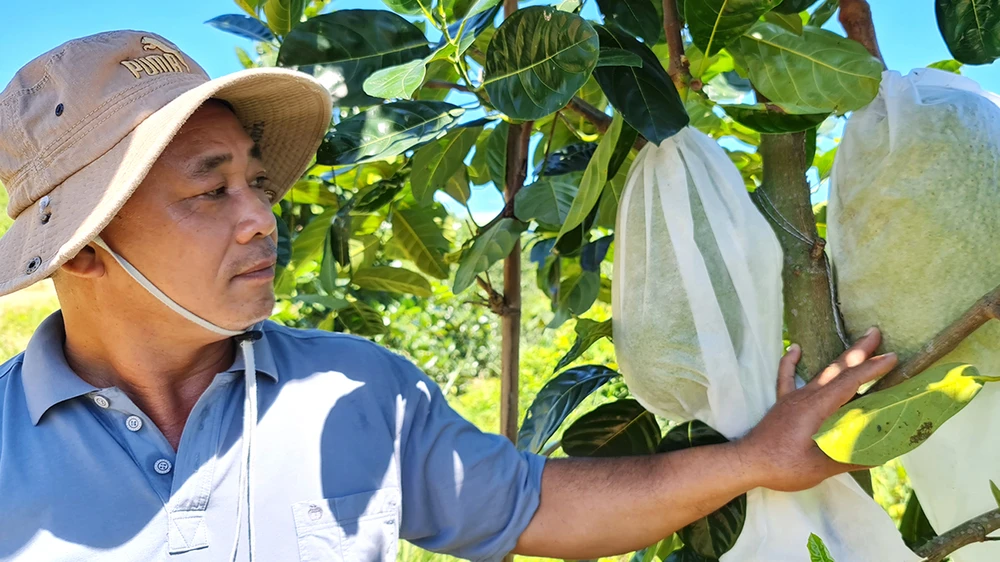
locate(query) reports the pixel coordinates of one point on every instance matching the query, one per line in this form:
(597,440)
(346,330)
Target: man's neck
(163,374)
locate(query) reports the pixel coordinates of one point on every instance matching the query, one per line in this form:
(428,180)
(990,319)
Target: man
(159,415)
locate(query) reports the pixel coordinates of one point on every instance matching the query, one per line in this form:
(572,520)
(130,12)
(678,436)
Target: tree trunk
(810,315)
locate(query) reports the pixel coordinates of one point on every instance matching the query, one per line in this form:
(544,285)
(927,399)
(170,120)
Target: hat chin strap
(246,339)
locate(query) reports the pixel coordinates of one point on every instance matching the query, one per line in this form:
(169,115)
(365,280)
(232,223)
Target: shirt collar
(48,379)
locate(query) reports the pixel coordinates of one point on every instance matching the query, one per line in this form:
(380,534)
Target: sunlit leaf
(283,15)
(386,130)
(817,550)
(948,65)
(437,162)
(490,247)
(588,332)
(594,178)
(342,49)
(714,24)
(422,240)
(537,61)
(879,427)
(816,72)
(619,429)
(556,401)
(392,279)
(396,82)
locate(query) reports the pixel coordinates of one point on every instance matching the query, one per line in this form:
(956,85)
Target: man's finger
(786,370)
(854,356)
(841,390)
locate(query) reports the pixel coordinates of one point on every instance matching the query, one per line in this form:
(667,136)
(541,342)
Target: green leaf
(715,534)
(408,7)
(791,22)
(588,332)
(619,429)
(645,96)
(577,294)
(819,212)
(309,241)
(243,26)
(342,49)
(396,81)
(556,401)
(914,526)
(385,131)
(490,247)
(421,240)
(283,15)
(362,319)
(823,13)
(817,550)
(284,242)
(882,426)
(687,554)
(996,493)
(328,267)
(546,201)
(793,6)
(249,6)
(537,61)
(971,28)
(393,280)
(637,17)
(569,159)
(458,187)
(948,65)
(496,154)
(759,118)
(328,302)
(817,72)
(437,162)
(594,178)
(618,57)
(714,24)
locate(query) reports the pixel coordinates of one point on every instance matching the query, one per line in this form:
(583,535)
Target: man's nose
(256,217)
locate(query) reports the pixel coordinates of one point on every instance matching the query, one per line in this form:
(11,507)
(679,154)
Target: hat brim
(287,112)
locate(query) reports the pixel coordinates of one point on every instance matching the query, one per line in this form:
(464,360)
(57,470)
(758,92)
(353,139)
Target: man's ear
(86,264)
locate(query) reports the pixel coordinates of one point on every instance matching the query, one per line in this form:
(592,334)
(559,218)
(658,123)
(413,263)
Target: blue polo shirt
(354,449)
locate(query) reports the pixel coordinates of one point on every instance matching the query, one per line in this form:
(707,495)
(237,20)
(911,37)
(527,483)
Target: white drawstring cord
(245,339)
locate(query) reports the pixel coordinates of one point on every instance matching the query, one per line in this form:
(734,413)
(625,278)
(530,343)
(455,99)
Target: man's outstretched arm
(601,507)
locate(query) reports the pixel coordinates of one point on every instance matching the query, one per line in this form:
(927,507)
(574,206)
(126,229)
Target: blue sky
(906,29)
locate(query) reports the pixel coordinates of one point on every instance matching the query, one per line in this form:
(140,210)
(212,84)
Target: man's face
(200,225)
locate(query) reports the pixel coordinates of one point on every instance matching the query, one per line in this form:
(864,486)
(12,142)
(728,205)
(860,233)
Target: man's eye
(215,193)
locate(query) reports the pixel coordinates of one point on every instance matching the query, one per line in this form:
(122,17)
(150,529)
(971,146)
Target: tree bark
(784,200)
(810,317)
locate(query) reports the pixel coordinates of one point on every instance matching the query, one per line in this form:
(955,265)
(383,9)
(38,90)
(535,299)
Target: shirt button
(133,423)
(101,401)
(162,466)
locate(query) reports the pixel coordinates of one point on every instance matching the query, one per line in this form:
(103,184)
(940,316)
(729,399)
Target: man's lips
(264,268)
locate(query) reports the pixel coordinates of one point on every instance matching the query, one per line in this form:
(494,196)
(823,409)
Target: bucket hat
(81,126)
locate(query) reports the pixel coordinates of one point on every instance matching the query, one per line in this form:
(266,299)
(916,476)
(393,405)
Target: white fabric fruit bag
(697,329)
(914,228)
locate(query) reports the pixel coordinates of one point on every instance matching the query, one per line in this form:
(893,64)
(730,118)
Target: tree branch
(677,66)
(986,308)
(856,17)
(441,84)
(598,118)
(974,530)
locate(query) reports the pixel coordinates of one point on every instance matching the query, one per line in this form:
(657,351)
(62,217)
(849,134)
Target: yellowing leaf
(884,425)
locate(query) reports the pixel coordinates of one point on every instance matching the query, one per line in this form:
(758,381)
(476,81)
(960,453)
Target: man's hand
(780,451)
(601,507)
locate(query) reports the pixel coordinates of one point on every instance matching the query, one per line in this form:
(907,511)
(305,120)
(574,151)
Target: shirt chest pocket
(356,528)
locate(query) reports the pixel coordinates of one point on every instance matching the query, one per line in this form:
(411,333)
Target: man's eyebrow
(204,167)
